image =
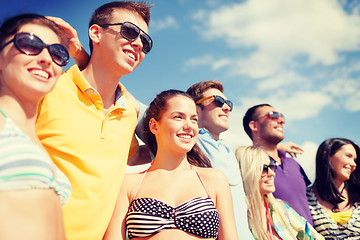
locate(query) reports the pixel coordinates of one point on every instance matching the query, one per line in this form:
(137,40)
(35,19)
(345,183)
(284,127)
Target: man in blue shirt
(213,111)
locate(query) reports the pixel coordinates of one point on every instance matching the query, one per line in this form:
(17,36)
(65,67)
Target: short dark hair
(11,26)
(197,90)
(103,14)
(249,116)
(155,110)
(324,183)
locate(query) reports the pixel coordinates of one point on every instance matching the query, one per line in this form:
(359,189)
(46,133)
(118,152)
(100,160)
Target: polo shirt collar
(207,134)
(85,86)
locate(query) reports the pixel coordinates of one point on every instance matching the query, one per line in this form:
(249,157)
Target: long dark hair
(155,110)
(325,175)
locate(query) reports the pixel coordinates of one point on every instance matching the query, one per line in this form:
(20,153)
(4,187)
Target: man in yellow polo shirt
(86,123)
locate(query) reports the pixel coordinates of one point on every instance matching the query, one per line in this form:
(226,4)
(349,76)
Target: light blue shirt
(222,158)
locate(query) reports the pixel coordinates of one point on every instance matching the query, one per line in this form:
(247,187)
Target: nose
(281,120)
(271,173)
(137,43)
(44,57)
(226,108)
(353,162)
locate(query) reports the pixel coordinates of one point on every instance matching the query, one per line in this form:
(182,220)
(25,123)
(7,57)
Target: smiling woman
(32,189)
(269,218)
(179,196)
(334,199)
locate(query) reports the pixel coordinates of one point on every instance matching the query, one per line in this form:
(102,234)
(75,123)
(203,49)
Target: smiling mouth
(185,136)
(130,55)
(41,74)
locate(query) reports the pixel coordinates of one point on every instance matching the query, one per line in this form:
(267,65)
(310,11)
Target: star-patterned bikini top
(148,216)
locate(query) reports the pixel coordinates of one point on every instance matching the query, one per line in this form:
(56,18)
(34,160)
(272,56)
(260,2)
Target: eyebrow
(183,114)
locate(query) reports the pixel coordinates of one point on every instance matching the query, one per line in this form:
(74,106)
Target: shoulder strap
(202,182)
(3,113)
(137,189)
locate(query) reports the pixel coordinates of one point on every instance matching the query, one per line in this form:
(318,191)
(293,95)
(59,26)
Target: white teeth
(40,73)
(184,136)
(131,55)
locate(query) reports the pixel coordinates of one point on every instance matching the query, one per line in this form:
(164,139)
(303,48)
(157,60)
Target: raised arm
(76,50)
(290,148)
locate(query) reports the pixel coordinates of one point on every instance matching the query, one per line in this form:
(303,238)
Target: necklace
(336,209)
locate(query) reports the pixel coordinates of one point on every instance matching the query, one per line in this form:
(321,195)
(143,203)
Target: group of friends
(66,139)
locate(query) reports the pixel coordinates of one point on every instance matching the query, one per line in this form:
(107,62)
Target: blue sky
(301,56)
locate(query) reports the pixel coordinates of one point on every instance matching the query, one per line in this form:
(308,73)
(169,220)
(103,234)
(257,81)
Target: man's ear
(153,126)
(94,33)
(253,125)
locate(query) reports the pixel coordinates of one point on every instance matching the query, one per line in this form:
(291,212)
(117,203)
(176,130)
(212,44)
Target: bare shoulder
(131,180)
(211,175)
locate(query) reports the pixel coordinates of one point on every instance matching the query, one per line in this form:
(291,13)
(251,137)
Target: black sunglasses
(131,32)
(218,100)
(273,166)
(32,45)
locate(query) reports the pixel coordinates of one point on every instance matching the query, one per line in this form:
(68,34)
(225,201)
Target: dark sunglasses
(275,115)
(218,100)
(131,32)
(273,166)
(30,44)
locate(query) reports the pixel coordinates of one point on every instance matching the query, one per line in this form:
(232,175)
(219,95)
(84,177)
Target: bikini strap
(202,182)
(137,189)
(3,113)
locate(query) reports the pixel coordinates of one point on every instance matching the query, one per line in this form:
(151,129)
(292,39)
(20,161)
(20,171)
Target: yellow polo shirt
(90,148)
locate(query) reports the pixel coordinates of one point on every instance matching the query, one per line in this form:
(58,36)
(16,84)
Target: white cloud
(207,60)
(353,102)
(167,23)
(346,92)
(296,106)
(282,79)
(342,87)
(280,30)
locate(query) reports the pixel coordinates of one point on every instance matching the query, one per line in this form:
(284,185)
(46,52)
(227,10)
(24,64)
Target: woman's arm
(224,205)
(117,225)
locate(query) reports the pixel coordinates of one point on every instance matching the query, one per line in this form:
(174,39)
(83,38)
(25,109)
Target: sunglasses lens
(129,31)
(59,54)
(28,44)
(265,169)
(230,104)
(32,45)
(219,102)
(147,43)
(274,115)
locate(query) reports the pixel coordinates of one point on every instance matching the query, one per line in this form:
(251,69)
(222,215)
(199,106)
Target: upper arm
(117,225)
(224,205)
